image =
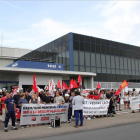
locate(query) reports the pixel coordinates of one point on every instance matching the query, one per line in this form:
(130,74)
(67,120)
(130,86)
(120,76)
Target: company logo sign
(15,64)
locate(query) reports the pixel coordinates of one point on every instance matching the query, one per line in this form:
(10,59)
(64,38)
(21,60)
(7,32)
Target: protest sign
(36,114)
(95,107)
(135,103)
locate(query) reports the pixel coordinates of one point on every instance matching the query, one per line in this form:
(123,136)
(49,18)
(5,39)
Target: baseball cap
(67,95)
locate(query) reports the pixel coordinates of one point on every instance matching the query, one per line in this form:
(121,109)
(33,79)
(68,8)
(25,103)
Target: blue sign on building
(36,65)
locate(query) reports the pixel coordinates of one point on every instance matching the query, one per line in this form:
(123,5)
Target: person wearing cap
(67,100)
(78,102)
(10,108)
(16,98)
(21,90)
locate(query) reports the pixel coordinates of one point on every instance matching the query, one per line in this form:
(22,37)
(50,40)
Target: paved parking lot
(44,131)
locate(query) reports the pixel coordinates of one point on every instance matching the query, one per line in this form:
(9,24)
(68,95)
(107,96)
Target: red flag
(15,90)
(34,84)
(58,84)
(123,85)
(64,86)
(47,87)
(98,86)
(79,80)
(75,84)
(118,92)
(71,85)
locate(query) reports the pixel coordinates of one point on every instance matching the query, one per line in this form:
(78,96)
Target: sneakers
(88,118)
(68,121)
(14,128)
(5,129)
(94,117)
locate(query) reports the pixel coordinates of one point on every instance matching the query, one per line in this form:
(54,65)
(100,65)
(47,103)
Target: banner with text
(135,103)
(36,114)
(95,107)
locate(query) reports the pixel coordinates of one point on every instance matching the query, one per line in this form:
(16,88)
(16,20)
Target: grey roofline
(41,71)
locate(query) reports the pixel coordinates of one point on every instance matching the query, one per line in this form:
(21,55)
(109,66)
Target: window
(87,39)
(75,36)
(75,45)
(108,70)
(112,62)
(98,60)
(82,57)
(121,63)
(87,47)
(113,71)
(76,59)
(82,46)
(76,68)
(82,68)
(108,61)
(97,41)
(103,70)
(98,70)
(93,59)
(93,69)
(107,50)
(87,57)
(137,64)
(87,69)
(129,63)
(117,62)
(98,50)
(103,60)
(133,64)
(93,40)
(92,47)
(81,37)
(125,63)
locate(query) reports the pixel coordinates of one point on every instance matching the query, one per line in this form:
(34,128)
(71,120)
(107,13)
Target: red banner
(0,109)
(17,113)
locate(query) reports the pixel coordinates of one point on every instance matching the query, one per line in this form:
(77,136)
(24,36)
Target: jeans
(10,114)
(77,117)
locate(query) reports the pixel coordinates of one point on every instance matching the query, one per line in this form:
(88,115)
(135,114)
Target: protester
(131,98)
(91,95)
(33,100)
(41,94)
(37,94)
(16,98)
(71,98)
(22,101)
(103,96)
(27,96)
(78,102)
(59,99)
(3,107)
(126,99)
(46,99)
(10,108)
(67,100)
(111,105)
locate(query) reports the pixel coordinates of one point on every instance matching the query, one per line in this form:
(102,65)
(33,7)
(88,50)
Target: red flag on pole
(75,84)
(58,84)
(123,85)
(98,86)
(15,90)
(34,84)
(64,86)
(79,80)
(71,85)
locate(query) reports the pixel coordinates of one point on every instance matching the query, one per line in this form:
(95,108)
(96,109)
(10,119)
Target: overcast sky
(31,24)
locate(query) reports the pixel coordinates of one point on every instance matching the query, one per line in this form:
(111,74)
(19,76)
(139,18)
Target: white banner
(135,103)
(37,114)
(95,107)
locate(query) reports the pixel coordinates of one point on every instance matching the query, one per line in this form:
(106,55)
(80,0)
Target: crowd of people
(10,102)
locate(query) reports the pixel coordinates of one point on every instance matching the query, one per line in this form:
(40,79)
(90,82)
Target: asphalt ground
(120,132)
(43,131)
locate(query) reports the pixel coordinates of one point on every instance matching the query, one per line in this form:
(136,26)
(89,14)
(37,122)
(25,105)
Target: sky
(31,24)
